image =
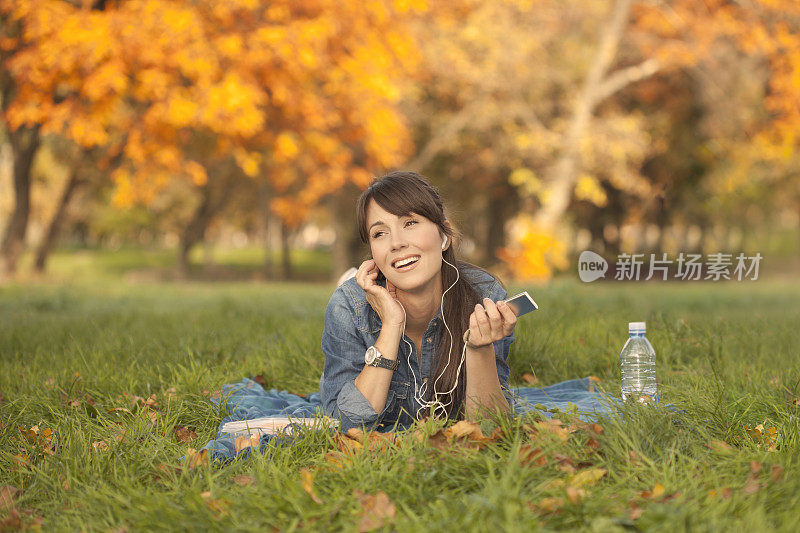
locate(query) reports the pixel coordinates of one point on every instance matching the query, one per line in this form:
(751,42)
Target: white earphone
(419,392)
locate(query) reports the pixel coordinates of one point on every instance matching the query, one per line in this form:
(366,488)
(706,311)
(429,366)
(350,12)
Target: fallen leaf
(438,440)
(346,445)
(12,522)
(530,379)
(184,434)
(634,457)
(550,505)
(206,494)
(218,507)
(587,477)
(243,480)
(65,484)
(497,435)
(380,442)
(356,434)
(307,482)
(171,393)
(244,441)
(752,485)
(565,463)
(8,494)
(21,461)
(467,434)
(260,380)
(755,467)
(553,426)
(195,458)
(377,510)
(656,492)
(592,445)
(574,494)
(719,446)
(724,493)
(775,473)
(530,456)
(635,513)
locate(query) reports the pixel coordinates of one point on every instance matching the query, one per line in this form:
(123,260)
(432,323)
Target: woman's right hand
(382,299)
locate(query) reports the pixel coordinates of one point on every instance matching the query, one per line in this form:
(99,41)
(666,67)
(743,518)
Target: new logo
(591,266)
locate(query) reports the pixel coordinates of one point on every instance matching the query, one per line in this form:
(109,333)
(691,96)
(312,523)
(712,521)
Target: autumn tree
(299,93)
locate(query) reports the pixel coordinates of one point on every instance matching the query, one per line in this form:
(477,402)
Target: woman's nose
(398,242)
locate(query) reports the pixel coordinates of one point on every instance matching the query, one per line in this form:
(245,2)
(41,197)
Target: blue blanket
(247,400)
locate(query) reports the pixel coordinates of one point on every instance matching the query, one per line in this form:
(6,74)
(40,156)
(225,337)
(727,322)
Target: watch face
(371,355)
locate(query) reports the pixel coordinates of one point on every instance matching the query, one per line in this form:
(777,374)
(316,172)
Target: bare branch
(622,78)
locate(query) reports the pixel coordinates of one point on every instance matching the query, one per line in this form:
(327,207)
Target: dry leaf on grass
(243,442)
(587,477)
(656,492)
(530,379)
(12,522)
(775,473)
(243,480)
(724,493)
(377,510)
(184,434)
(8,494)
(575,494)
(719,446)
(530,456)
(307,482)
(553,426)
(195,458)
(548,505)
(346,444)
(565,463)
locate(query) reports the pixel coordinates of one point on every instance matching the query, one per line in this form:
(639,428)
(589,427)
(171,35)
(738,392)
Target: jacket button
(429,340)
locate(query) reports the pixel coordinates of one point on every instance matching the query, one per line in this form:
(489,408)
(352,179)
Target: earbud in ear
(444,242)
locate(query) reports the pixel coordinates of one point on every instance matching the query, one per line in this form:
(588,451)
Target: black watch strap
(386,363)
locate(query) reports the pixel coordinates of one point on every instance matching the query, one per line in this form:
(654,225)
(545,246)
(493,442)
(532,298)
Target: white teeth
(405,262)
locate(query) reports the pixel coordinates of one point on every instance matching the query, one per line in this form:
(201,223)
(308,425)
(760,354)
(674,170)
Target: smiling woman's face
(412,238)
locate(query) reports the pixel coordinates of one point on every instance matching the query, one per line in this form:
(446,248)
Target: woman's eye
(377,234)
(410,221)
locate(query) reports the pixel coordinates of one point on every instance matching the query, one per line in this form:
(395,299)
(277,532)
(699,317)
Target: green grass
(727,357)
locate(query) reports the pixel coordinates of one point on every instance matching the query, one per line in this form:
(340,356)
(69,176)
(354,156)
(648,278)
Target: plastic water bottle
(638,360)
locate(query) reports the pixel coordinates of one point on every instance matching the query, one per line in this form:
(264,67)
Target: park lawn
(69,355)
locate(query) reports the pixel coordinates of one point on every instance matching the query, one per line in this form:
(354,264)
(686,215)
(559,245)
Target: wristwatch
(374,358)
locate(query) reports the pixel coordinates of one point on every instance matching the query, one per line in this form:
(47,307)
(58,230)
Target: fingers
(509,318)
(495,319)
(367,274)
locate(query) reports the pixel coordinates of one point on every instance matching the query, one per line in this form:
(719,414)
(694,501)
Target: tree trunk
(266,218)
(212,201)
(561,176)
(286,258)
(502,205)
(24,144)
(53,230)
(346,246)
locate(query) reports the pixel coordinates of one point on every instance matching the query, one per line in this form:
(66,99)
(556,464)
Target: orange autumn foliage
(178,87)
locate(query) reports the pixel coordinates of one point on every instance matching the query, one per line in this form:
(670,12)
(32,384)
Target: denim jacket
(351,326)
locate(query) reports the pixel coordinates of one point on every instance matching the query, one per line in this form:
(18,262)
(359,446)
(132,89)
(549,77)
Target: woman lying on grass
(411,334)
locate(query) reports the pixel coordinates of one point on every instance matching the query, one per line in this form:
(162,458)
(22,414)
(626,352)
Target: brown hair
(402,193)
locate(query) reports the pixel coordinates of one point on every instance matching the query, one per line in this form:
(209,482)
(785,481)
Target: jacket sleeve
(344,359)
(502,348)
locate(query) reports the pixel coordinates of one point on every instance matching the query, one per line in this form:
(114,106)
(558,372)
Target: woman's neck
(421,306)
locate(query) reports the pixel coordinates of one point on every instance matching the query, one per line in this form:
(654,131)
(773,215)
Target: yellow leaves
(587,477)
(768,438)
(249,162)
(463,435)
(307,482)
(181,109)
(196,172)
(589,189)
(533,253)
(286,147)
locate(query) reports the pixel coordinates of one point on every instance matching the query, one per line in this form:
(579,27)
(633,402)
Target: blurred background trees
(550,126)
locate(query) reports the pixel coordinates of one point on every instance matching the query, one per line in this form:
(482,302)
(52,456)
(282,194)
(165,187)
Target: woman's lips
(406,268)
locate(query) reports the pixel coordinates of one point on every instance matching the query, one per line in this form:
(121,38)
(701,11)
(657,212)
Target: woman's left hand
(489,323)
